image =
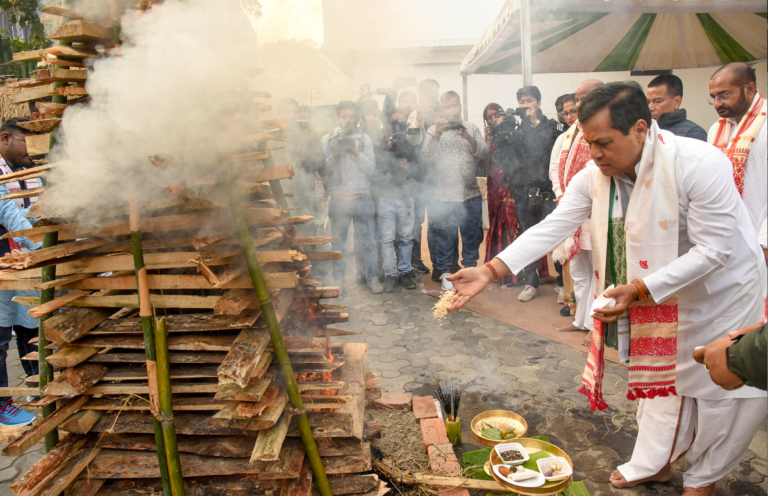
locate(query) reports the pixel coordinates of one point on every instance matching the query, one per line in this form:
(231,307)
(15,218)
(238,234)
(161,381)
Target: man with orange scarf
(740,134)
(569,156)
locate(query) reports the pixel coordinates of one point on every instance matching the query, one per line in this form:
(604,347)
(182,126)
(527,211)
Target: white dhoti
(583,288)
(713,434)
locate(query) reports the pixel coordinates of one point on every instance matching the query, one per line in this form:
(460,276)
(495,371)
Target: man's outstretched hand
(467,283)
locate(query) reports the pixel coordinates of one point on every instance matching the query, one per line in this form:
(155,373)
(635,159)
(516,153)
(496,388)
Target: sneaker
(528,294)
(558,289)
(445,285)
(407,280)
(436,273)
(455,268)
(10,414)
(390,283)
(375,286)
(419,266)
(561,297)
(565,311)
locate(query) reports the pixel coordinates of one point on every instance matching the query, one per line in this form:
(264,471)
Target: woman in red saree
(502,211)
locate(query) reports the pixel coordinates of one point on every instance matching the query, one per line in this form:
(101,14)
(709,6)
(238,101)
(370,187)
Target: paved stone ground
(512,369)
(507,368)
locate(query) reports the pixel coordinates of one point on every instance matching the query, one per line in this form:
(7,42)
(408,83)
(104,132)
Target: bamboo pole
(268,311)
(145,312)
(166,408)
(46,369)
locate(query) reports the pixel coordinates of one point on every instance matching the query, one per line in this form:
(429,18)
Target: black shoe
(390,282)
(419,267)
(455,268)
(436,273)
(406,280)
(565,311)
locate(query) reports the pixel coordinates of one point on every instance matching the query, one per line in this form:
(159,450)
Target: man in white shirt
(716,284)
(567,166)
(740,134)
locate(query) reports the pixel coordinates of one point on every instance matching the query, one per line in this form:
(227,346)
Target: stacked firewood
(236,431)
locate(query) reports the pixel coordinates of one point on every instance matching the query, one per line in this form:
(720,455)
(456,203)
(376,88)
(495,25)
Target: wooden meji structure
(188,338)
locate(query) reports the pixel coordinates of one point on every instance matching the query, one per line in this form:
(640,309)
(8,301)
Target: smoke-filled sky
(291,19)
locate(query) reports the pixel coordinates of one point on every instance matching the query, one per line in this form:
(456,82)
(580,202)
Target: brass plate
(532,446)
(496,413)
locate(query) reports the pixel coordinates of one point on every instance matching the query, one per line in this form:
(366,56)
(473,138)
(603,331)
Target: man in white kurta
(720,281)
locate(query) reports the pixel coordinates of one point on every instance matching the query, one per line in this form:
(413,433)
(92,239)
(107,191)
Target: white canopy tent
(618,35)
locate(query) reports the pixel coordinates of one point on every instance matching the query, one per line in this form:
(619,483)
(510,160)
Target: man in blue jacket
(14,317)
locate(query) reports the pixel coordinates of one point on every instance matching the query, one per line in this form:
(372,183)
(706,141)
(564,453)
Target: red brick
(424,407)
(452,491)
(433,432)
(396,401)
(443,461)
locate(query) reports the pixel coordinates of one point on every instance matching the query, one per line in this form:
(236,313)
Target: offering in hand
(440,310)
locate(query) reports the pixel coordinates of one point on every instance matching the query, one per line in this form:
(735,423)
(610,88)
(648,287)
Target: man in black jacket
(528,170)
(665,95)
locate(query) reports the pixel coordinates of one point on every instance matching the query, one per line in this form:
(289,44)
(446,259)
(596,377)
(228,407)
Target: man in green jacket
(737,359)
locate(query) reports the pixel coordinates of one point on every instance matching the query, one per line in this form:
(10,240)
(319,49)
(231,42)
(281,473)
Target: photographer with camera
(453,150)
(398,171)
(528,172)
(349,164)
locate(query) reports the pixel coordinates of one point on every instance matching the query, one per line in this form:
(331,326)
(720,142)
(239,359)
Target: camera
(455,124)
(344,140)
(400,147)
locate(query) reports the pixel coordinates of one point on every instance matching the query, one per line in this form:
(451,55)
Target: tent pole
(464,97)
(525,42)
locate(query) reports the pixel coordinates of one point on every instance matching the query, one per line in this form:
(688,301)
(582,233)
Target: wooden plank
(15,176)
(266,420)
(244,357)
(249,410)
(302,486)
(235,301)
(41,126)
(141,403)
(70,470)
(212,486)
(61,11)
(76,380)
(70,51)
(84,487)
(39,430)
(139,373)
(49,464)
(193,322)
(56,303)
(38,144)
(121,464)
(274,280)
(320,385)
(174,357)
(56,75)
(353,375)
(70,356)
(360,462)
(28,55)
(223,446)
(70,91)
(81,422)
(270,442)
(81,31)
(252,392)
(290,463)
(73,323)
(31,94)
(24,193)
(326,424)
(30,258)
(177,342)
(338,446)
(353,484)
(318,293)
(132,301)
(322,255)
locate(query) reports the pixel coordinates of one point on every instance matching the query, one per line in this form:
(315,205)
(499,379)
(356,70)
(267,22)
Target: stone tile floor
(506,368)
(512,369)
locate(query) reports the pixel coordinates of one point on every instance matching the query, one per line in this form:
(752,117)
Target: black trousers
(23,335)
(529,213)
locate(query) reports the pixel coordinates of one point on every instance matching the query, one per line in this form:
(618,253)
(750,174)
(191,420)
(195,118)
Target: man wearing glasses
(13,317)
(740,134)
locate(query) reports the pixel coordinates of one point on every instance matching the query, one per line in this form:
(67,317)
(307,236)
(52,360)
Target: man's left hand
(713,356)
(624,295)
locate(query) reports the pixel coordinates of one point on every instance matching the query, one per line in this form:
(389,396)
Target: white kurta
(585,239)
(755,175)
(720,275)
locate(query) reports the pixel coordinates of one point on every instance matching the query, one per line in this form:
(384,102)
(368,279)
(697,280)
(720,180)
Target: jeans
(528,215)
(467,217)
(361,212)
(420,209)
(23,335)
(396,218)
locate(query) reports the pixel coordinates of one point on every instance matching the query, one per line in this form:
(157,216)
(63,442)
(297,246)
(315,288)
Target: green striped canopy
(569,41)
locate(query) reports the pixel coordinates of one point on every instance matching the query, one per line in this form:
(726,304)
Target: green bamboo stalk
(166,408)
(145,312)
(268,311)
(46,370)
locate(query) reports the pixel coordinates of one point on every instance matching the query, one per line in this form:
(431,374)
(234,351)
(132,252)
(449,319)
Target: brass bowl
(549,488)
(475,426)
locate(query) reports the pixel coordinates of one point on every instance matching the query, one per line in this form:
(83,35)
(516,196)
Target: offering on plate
(500,428)
(511,455)
(555,469)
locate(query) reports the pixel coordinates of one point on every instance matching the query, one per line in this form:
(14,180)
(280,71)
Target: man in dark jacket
(665,95)
(739,358)
(528,171)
